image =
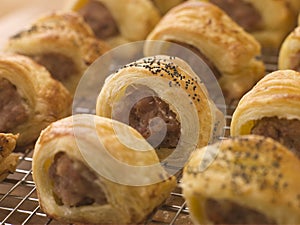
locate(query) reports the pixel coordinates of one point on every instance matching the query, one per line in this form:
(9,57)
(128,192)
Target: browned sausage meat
(74,183)
(100,19)
(227,212)
(285,131)
(13,108)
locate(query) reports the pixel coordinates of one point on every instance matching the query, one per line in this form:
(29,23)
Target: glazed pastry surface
(165,101)
(97,178)
(244,180)
(271,108)
(63,43)
(217,39)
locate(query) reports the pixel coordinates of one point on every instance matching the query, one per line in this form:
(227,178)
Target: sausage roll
(165,101)
(63,43)
(244,180)
(219,41)
(86,172)
(272,109)
(8,159)
(268,21)
(113,20)
(30,98)
(289,54)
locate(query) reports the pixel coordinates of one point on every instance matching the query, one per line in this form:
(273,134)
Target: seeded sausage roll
(61,42)
(289,54)
(118,21)
(217,39)
(271,109)
(93,170)
(8,159)
(243,180)
(163,99)
(30,98)
(255,17)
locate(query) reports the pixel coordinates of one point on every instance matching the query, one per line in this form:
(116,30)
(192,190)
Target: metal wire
(19,203)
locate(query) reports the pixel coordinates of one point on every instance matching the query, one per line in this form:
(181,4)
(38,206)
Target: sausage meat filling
(74,183)
(100,19)
(227,212)
(58,65)
(285,131)
(13,109)
(242,12)
(142,112)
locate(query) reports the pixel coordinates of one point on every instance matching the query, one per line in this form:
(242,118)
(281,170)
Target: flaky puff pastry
(30,98)
(289,54)
(243,180)
(269,21)
(8,159)
(124,168)
(210,32)
(63,43)
(166,102)
(118,21)
(276,97)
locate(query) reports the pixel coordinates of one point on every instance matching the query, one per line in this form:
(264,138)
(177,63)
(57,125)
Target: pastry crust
(225,44)
(134,19)
(63,43)
(253,172)
(276,95)
(8,159)
(126,203)
(289,54)
(270,28)
(173,81)
(44,100)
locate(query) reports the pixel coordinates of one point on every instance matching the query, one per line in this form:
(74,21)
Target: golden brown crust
(125,203)
(135,19)
(8,159)
(289,54)
(276,95)
(47,100)
(251,171)
(209,30)
(173,81)
(62,34)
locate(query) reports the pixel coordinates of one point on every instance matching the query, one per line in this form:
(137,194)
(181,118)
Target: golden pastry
(243,180)
(289,54)
(268,21)
(228,50)
(30,98)
(8,159)
(63,43)
(295,5)
(93,170)
(165,101)
(113,20)
(272,109)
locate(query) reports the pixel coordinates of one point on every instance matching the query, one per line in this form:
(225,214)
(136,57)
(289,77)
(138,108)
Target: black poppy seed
(170,83)
(276,164)
(198,99)
(194,98)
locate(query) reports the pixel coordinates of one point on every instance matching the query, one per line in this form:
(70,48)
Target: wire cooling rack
(19,203)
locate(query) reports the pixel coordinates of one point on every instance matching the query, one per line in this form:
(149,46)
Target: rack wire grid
(19,203)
